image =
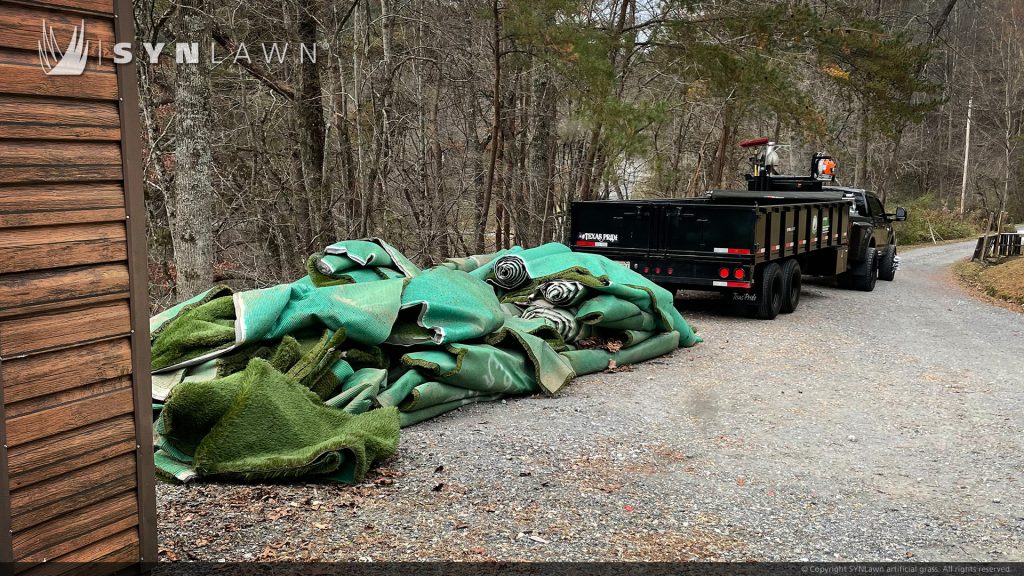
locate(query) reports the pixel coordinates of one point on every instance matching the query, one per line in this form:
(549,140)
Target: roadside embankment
(1003,281)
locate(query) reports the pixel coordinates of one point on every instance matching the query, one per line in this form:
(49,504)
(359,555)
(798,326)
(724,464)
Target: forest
(453,127)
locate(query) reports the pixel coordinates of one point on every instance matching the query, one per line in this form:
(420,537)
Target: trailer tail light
(647,270)
(657,270)
(669,271)
(723,273)
(739,274)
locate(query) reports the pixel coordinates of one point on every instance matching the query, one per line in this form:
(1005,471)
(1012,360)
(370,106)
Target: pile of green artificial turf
(313,379)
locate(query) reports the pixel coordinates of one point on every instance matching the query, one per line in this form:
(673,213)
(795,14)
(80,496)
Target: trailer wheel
(864,274)
(792,281)
(770,293)
(887,263)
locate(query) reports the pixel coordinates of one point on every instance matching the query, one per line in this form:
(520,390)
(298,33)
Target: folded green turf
(313,379)
(365,311)
(355,261)
(557,262)
(447,306)
(259,424)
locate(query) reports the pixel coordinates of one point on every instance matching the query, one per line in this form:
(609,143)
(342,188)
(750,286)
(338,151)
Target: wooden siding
(76,478)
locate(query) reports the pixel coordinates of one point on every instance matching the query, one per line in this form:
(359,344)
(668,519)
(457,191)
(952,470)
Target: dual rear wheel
(863,275)
(778,286)
(887,263)
(778,289)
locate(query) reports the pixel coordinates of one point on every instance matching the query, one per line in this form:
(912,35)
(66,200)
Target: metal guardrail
(999,245)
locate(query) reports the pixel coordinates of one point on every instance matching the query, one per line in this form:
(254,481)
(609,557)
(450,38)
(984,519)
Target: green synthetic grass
(210,326)
(261,424)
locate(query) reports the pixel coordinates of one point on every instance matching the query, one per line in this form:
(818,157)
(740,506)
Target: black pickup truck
(753,245)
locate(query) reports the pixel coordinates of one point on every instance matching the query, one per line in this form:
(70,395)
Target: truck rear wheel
(887,263)
(792,281)
(770,292)
(864,274)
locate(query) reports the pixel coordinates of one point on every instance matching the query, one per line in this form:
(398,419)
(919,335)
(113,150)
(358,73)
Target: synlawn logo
(72,60)
(69,62)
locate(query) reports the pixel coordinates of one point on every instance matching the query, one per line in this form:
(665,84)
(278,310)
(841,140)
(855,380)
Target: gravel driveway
(866,426)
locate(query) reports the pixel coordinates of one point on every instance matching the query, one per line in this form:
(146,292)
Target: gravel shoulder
(866,426)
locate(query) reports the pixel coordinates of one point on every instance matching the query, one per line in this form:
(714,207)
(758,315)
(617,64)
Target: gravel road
(866,426)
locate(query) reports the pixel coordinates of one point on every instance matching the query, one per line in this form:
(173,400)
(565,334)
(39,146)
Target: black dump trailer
(753,245)
(754,251)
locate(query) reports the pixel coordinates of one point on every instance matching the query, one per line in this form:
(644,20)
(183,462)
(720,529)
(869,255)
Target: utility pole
(967,150)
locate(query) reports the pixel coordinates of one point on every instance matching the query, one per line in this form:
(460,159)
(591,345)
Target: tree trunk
(860,175)
(1007,147)
(586,190)
(541,152)
(484,197)
(194,212)
(309,113)
(722,153)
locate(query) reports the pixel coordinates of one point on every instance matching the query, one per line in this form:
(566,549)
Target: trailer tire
(792,281)
(770,293)
(887,263)
(864,274)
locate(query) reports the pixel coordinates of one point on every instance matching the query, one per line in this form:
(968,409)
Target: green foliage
(879,68)
(584,57)
(925,220)
(748,54)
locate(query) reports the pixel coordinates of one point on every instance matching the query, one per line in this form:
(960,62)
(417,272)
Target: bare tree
(193,191)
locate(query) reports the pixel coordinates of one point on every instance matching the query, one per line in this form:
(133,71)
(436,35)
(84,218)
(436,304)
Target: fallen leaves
(610,344)
(614,368)
(278,513)
(270,551)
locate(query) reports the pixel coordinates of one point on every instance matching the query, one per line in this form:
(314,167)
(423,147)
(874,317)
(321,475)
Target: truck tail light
(739,274)
(723,273)
(670,270)
(647,270)
(657,270)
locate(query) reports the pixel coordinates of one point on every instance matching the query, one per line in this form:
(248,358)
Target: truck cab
(872,238)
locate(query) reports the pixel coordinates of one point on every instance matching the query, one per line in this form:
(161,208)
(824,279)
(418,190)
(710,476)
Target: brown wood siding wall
(76,470)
